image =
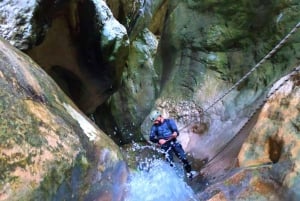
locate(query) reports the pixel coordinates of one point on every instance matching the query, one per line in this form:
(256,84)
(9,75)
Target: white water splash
(160,182)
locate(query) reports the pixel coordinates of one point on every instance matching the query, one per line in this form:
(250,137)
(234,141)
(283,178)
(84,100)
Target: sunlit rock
(46,142)
(218,197)
(275,138)
(244,184)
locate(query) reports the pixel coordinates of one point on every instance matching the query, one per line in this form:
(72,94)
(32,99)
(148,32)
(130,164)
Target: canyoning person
(164,132)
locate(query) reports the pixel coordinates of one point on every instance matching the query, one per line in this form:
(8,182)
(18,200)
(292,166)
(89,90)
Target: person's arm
(153,135)
(174,128)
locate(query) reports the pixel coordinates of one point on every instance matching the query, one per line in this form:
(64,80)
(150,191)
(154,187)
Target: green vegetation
(16,129)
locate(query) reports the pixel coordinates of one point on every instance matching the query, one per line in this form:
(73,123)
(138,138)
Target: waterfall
(158,181)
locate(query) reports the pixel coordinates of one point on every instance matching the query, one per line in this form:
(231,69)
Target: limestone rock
(79,43)
(17,23)
(45,138)
(275,136)
(138,88)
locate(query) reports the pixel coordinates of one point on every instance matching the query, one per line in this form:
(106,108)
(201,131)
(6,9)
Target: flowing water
(156,180)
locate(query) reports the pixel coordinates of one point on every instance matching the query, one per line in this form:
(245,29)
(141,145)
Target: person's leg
(168,153)
(179,152)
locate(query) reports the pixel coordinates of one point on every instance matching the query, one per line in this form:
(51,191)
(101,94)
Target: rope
(271,53)
(279,45)
(292,73)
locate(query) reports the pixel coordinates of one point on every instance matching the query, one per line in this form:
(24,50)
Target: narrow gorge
(79,79)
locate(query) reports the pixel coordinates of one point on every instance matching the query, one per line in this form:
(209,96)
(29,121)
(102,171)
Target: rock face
(201,56)
(274,138)
(266,165)
(136,93)
(17,24)
(140,81)
(178,56)
(84,50)
(46,141)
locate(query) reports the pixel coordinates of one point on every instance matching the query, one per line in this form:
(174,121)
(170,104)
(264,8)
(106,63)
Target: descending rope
(271,53)
(292,73)
(279,45)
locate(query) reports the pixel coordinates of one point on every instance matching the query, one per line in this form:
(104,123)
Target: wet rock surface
(179,56)
(46,141)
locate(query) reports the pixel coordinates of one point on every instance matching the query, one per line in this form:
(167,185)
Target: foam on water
(159,182)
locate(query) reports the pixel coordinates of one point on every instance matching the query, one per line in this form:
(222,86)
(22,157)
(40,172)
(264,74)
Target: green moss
(57,174)
(35,140)
(17,128)
(10,163)
(221,37)
(82,162)
(63,178)
(218,62)
(227,183)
